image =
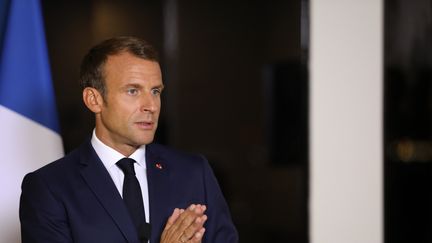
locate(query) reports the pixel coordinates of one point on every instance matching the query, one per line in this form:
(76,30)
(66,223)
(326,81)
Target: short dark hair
(92,67)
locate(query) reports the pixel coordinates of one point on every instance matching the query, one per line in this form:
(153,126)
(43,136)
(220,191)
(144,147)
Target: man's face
(129,114)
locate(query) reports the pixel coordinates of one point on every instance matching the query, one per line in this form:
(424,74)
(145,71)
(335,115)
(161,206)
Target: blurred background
(235,93)
(408,120)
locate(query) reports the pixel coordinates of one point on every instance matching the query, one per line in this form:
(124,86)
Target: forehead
(126,59)
(127,66)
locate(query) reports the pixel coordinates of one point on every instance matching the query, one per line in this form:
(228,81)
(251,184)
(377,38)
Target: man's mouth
(146,125)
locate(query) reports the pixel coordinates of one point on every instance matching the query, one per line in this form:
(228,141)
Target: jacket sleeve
(42,216)
(219,226)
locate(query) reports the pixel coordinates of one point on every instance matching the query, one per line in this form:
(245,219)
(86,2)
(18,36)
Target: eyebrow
(135,85)
(161,87)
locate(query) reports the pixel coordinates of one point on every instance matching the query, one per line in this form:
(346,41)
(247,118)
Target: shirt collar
(110,156)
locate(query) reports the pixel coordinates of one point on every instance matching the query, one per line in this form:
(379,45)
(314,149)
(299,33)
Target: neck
(123,148)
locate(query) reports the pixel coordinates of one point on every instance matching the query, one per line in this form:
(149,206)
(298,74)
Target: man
(90,194)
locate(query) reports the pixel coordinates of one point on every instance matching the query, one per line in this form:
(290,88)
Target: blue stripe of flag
(25,77)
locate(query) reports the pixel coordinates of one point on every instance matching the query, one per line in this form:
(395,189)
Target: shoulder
(59,176)
(66,165)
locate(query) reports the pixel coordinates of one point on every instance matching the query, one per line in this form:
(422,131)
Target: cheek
(127,107)
(120,113)
(131,113)
(159,104)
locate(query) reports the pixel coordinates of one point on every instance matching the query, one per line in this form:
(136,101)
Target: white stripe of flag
(29,131)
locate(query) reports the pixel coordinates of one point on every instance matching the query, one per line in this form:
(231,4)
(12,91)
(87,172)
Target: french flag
(29,129)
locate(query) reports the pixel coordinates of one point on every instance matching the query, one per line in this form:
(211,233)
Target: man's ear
(93,99)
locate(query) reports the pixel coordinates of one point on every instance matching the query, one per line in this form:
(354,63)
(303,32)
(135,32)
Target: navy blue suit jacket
(75,200)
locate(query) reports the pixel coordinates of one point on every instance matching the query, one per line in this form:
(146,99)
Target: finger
(174,216)
(180,220)
(194,228)
(192,211)
(185,220)
(198,236)
(189,217)
(175,228)
(166,235)
(203,208)
(200,209)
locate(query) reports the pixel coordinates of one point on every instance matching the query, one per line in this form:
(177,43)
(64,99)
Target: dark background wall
(408,120)
(235,93)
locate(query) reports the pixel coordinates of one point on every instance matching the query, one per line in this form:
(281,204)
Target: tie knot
(127,166)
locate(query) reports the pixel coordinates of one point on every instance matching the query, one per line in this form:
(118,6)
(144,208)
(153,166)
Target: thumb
(174,216)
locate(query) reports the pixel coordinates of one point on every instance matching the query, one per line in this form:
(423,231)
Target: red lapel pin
(159,166)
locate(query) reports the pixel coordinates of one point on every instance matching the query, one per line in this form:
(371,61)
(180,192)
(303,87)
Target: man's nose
(148,103)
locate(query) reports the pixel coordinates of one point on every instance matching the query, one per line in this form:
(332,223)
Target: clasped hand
(185,226)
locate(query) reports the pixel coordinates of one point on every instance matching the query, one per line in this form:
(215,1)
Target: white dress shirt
(110,157)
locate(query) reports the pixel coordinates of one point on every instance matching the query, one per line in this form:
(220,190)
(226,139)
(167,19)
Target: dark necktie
(133,199)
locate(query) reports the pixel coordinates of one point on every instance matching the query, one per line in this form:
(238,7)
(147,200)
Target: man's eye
(132,91)
(156,91)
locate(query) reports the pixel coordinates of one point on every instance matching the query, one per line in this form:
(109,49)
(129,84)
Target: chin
(142,138)
(145,141)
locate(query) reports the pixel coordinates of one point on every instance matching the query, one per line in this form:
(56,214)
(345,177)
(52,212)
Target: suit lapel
(100,182)
(159,191)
